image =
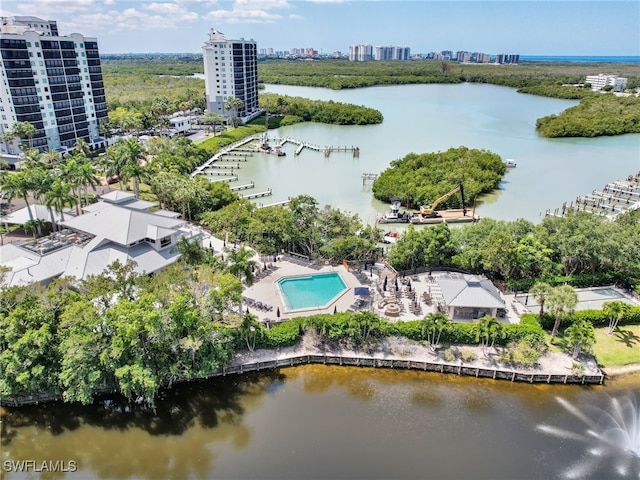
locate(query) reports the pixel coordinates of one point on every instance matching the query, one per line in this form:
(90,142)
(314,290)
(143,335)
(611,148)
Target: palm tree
(87,178)
(213,119)
(58,196)
(113,163)
(133,152)
(540,291)
(487,331)
(51,157)
(236,105)
(562,300)
(19,185)
(190,252)
(137,174)
(70,174)
(580,337)
(82,147)
(249,330)
(432,326)
(23,130)
(240,264)
(616,311)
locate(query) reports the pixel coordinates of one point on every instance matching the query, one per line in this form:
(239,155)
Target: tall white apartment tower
(53,82)
(231,71)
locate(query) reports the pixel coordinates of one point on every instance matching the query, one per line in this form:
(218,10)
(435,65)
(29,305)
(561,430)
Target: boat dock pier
(369,177)
(223,179)
(249,196)
(227,166)
(326,150)
(219,173)
(244,187)
(275,204)
(616,198)
(228,151)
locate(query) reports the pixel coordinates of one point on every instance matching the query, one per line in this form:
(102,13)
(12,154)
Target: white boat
(390,237)
(510,162)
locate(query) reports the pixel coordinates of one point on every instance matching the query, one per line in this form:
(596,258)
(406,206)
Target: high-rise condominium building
(231,71)
(392,53)
(53,82)
(361,53)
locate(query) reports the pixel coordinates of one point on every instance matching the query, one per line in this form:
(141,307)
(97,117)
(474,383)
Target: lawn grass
(619,349)
(616,350)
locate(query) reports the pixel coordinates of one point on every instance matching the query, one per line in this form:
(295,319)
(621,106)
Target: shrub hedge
(598,318)
(347,326)
(284,334)
(578,281)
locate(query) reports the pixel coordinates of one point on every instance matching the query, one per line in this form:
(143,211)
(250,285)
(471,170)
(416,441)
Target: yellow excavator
(430,210)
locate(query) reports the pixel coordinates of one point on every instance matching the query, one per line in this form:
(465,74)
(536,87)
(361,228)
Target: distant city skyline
(181,26)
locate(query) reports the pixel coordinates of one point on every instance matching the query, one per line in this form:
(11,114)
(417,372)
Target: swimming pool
(311,291)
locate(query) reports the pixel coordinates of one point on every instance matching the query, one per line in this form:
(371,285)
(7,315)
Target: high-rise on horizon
(53,82)
(231,71)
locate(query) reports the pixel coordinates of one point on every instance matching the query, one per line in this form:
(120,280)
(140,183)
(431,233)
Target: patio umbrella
(384,285)
(278,312)
(335,309)
(396,283)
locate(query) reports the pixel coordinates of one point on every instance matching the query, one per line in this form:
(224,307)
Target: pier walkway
(326,150)
(616,198)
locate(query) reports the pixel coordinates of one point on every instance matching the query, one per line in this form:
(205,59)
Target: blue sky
(539,27)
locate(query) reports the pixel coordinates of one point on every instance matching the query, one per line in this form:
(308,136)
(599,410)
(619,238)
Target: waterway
(428,118)
(332,422)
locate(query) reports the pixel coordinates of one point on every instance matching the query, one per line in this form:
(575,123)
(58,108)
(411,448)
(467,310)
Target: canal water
(429,118)
(325,422)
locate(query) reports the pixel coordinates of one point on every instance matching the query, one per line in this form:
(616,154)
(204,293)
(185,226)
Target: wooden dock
(369,177)
(614,199)
(227,166)
(232,159)
(223,179)
(249,196)
(219,173)
(244,187)
(228,151)
(274,204)
(325,150)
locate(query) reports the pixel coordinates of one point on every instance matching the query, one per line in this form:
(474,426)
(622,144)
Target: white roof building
(468,297)
(120,227)
(598,82)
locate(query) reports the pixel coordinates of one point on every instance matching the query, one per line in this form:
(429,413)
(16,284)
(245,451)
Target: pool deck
(265,290)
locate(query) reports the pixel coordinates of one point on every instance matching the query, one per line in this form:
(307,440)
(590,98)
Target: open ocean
(580,59)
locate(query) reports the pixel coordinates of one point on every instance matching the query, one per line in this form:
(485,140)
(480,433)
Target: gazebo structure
(468,297)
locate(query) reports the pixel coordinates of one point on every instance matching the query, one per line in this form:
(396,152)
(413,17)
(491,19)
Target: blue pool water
(311,291)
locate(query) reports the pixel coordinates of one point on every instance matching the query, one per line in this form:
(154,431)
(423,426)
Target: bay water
(430,118)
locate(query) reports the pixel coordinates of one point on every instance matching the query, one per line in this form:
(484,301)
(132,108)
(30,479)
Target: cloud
(178,12)
(249,11)
(50,9)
